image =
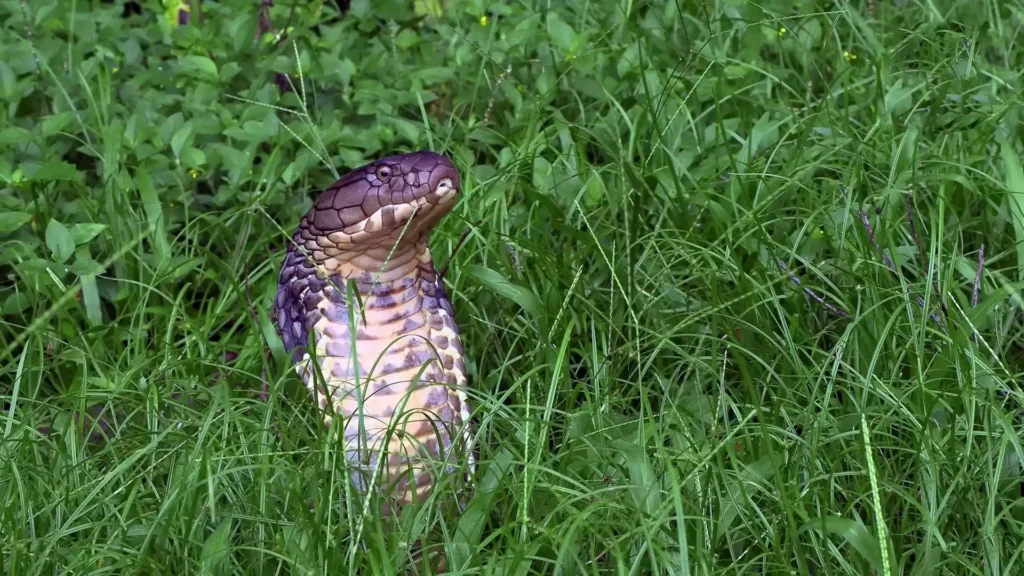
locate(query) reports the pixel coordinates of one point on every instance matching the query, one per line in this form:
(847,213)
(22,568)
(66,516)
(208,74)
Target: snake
(370,330)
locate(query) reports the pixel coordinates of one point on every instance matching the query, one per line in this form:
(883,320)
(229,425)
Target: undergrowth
(739,288)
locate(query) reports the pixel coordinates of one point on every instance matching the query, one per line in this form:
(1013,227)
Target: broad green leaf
(181,138)
(763,134)
(56,170)
(216,549)
(55,123)
(513,562)
(113,134)
(594,190)
(866,33)
(271,336)
(260,130)
(345,70)
(359,9)
(525,31)
(562,35)
(750,476)
(292,172)
(1015,190)
(543,175)
(643,480)
(59,241)
(634,177)
(154,212)
(897,98)
(200,64)
(11,221)
(433,75)
(906,151)
(297,546)
(171,12)
(406,39)
(429,8)
(35,272)
(86,267)
(7,80)
(83,233)
(472,521)
(192,157)
(518,294)
(167,129)
(131,132)
(855,534)
(238,133)
(408,130)
(15,135)
(545,83)
(16,303)
(964,69)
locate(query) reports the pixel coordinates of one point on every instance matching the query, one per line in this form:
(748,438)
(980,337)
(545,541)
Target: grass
(718,288)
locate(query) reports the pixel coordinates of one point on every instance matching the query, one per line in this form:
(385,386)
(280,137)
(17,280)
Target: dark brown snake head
(376,202)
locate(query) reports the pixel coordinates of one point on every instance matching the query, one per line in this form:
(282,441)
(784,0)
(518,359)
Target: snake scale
(371,229)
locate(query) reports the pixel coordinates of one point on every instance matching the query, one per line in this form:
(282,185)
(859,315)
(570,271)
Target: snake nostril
(440,174)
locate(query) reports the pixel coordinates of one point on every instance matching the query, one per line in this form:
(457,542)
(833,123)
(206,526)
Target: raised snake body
(371,228)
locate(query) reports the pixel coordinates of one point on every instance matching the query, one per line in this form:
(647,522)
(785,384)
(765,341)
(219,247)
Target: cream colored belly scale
(411,372)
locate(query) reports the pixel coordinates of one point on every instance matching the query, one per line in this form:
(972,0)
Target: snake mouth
(395,197)
(409,218)
(445,189)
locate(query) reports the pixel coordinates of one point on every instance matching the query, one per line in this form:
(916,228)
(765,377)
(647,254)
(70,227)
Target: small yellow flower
(782,32)
(483,20)
(115,70)
(850,56)
(193,173)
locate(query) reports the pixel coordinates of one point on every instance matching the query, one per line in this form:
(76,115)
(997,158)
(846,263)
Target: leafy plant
(740,282)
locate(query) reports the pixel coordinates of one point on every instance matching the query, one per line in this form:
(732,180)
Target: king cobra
(389,351)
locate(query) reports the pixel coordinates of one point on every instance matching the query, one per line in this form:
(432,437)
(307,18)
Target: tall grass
(717,287)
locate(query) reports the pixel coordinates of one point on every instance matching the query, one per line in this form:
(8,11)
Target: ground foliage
(721,283)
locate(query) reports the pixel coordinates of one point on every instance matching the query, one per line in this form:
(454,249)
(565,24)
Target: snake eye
(383,173)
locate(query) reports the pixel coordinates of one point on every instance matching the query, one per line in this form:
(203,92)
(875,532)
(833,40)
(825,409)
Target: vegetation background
(741,285)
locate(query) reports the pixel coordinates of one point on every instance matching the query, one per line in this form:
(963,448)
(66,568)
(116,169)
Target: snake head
(403,195)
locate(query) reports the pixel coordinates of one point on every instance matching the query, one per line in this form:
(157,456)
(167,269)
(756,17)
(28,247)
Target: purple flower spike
(184,16)
(282,83)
